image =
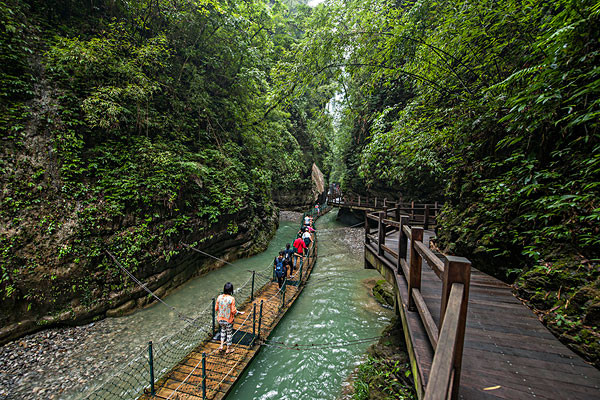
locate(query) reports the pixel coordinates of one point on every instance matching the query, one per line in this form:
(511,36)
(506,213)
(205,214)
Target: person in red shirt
(299,247)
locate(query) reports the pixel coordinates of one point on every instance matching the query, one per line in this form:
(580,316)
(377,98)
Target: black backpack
(279,271)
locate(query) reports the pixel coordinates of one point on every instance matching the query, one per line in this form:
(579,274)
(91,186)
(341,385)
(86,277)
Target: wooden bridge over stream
(467,335)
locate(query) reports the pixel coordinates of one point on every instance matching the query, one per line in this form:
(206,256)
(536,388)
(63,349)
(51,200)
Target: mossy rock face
(384,293)
(592,315)
(583,298)
(567,293)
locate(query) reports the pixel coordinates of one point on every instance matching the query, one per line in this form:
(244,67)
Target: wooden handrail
(390,251)
(442,370)
(428,322)
(406,230)
(432,260)
(447,337)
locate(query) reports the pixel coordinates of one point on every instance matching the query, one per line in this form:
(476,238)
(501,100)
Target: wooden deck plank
(505,343)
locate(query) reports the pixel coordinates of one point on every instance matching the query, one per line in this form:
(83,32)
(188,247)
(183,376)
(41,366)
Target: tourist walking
(288,255)
(225,311)
(307,237)
(299,247)
(280,269)
(307,220)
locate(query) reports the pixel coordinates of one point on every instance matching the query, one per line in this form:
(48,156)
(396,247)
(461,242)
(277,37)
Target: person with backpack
(287,258)
(299,247)
(280,269)
(225,311)
(307,237)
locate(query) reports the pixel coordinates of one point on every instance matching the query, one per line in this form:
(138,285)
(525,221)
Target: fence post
(203,376)
(252,292)
(359,199)
(426,223)
(213,316)
(381,235)
(398,213)
(151,363)
(375,201)
(253,323)
(412,210)
(414,273)
(402,242)
(367,230)
(456,270)
(260,318)
(384,202)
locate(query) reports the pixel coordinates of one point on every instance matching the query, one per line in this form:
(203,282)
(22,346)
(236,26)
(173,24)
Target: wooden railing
(424,214)
(454,272)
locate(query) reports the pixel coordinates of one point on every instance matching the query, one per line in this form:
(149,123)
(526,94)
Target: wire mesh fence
(134,378)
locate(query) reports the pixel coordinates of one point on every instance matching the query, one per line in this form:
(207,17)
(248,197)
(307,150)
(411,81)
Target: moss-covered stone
(566,294)
(384,293)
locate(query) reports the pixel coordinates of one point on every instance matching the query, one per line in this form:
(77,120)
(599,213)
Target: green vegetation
(491,107)
(386,372)
(130,126)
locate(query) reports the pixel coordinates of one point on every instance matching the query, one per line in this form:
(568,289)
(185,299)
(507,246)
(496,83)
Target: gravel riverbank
(48,364)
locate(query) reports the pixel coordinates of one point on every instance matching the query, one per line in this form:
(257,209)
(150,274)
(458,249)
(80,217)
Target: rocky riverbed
(48,364)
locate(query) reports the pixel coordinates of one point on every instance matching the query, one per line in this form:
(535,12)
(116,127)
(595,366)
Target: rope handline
(205,253)
(138,282)
(321,345)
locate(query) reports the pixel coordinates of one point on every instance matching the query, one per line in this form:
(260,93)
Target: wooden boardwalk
(184,381)
(508,353)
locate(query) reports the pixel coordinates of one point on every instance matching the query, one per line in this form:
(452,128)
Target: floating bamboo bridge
(188,365)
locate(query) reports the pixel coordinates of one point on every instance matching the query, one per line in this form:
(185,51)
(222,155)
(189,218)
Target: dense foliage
(493,107)
(129,125)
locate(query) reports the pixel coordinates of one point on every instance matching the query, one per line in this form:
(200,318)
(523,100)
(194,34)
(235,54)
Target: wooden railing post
(384,202)
(456,270)
(375,201)
(402,242)
(426,223)
(398,215)
(359,199)
(412,210)
(381,235)
(414,275)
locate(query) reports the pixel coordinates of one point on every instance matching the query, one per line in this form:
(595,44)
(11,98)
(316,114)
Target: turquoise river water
(335,306)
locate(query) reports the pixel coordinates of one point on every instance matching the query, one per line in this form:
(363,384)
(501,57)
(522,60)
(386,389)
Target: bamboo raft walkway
(187,381)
